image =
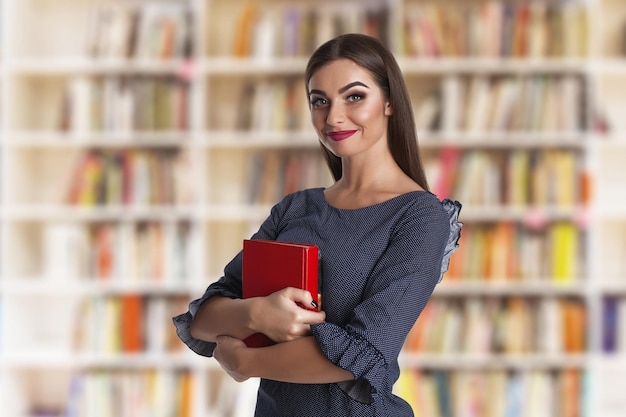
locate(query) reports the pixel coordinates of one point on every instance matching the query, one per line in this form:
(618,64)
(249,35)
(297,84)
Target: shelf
(78,360)
(468,213)
(231,66)
(491,65)
(92,66)
(611,212)
(609,286)
(608,66)
(237,212)
(232,139)
(102,213)
(502,139)
(613,361)
(229,139)
(24,212)
(61,287)
(410,66)
(528,214)
(539,287)
(491,361)
(54,139)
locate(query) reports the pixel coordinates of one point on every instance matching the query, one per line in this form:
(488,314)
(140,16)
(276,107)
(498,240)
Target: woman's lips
(340,135)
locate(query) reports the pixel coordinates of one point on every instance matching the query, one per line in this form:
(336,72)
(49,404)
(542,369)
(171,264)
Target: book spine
(439,392)
(125,104)
(313,274)
(532,103)
(105,393)
(494,29)
(506,325)
(131,177)
(129,323)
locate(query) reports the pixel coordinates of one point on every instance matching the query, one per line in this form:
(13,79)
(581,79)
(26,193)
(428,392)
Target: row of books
(110,393)
(274,174)
(296,30)
(128,323)
(155,30)
(276,105)
(133,177)
(473,104)
(125,104)
(500,325)
(494,393)
(526,103)
(539,29)
(512,177)
(156,252)
(614,324)
(515,252)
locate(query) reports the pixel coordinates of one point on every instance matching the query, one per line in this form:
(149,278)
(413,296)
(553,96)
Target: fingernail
(314,304)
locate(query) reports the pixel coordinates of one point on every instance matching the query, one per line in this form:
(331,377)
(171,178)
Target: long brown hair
(370,54)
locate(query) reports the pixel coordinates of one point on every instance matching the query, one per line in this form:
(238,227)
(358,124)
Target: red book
(132,323)
(270,266)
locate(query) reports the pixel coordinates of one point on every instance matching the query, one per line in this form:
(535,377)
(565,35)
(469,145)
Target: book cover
(269,266)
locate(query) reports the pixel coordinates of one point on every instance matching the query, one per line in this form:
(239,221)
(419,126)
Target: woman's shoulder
(301,195)
(425,208)
(301,199)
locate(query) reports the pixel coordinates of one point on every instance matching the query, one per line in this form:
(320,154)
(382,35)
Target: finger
(225,341)
(301,296)
(312,317)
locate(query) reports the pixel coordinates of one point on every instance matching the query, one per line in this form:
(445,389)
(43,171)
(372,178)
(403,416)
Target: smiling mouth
(340,135)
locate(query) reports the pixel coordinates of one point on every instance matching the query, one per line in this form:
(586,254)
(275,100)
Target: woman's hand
(281,318)
(230,353)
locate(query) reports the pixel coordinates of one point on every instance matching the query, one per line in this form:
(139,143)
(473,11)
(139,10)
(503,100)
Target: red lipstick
(340,135)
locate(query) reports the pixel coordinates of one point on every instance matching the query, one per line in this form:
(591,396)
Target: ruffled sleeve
(452,208)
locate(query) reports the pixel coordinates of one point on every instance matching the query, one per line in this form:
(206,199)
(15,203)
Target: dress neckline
(322,197)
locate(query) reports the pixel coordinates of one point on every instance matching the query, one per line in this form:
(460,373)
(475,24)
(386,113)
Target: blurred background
(142,140)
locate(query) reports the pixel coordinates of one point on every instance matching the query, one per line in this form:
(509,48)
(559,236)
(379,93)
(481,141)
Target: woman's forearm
(298,361)
(222,316)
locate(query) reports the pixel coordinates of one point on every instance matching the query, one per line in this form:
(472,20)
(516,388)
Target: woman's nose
(336,114)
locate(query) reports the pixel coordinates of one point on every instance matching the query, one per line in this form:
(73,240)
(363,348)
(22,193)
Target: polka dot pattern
(380,265)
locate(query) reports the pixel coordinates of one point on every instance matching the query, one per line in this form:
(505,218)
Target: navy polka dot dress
(380,265)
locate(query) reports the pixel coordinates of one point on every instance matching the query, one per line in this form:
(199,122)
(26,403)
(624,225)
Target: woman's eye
(318,102)
(355,97)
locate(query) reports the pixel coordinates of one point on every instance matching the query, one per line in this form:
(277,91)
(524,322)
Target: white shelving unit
(44,50)
(3,397)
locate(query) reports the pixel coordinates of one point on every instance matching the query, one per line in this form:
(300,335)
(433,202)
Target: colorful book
(132,326)
(269,266)
(610,309)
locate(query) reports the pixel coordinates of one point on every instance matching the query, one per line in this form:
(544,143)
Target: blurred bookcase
(143,140)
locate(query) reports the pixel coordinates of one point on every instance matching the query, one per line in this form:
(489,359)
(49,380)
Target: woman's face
(348,110)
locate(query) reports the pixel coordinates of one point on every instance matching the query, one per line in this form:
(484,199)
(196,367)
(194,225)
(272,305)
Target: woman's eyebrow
(349,86)
(341,90)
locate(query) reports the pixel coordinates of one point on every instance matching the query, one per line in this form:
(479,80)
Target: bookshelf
(608,76)
(113,207)
(3,397)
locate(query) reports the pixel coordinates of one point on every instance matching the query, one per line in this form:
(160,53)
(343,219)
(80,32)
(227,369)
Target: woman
(385,242)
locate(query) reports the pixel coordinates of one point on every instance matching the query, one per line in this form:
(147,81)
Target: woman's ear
(388,109)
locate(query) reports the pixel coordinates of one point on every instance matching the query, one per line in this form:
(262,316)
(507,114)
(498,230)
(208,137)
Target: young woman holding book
(385,242)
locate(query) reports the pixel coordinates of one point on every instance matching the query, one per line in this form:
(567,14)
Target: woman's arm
(278,316)
(222,315)
(298,361)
